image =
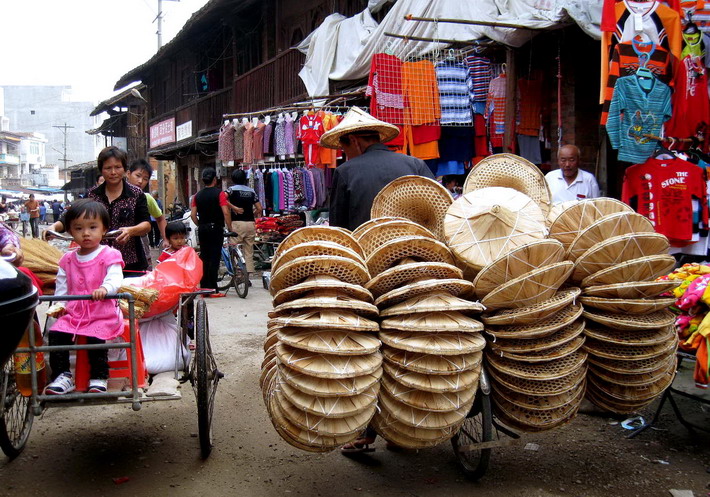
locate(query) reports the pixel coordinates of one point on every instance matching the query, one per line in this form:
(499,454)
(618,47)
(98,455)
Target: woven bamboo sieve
(379,234)
(420,248)
(634,393)
(535,344)
(327,319)
(653,336)
(537,402)
(543,371)
(540,388)
(658,319)
(535,421)
(563,321)
(631,352)
(329,299)
(631,289)
(581,215)
(432,364)
(320,283)
(297,270)
(536,312)
(357,232)
(434,302)
(631,367)
(610,404)
(630,306)
(554,353)
(456,287)
(404,273)
(643,268)
(318,248)
(307,234)
(636,379)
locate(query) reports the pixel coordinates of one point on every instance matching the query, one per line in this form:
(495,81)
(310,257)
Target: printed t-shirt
(691,106)
(384,88)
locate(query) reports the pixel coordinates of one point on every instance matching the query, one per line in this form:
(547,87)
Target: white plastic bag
(159,335)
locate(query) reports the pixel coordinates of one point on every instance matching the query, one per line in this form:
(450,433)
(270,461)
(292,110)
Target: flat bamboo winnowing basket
(408,271)
(432,364)
(641,269)
(327,365)
(419,248)
(510,171)
(298,270)
(438,383)
(537,387)
(628,306)
(340,236)
(653,336)
(319,283)
(416,198)
(433,302)
(516,263)
(616,250)
(658,319)
(336,342)
(540,371)
(581,215)
(328,299)
(484,224)
(621,223)
(450,343)
(537,312)
(432,322)
(329,387)
(632,289)
(357,232)
(319,248)
(378,234)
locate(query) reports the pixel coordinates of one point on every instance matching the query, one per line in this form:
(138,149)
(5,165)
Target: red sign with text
(162,133)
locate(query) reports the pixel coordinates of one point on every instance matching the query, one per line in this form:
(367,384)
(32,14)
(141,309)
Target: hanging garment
(693,45)
(530,103)
(310,130)
(529,148)
(384,87)
(635,112)
(289,136)
(479,77)
(225,143)
(268,144)
(421,93)
(238,142)
(258,142)
(453,92)
(495,110)
(328,155)
(691,106)
(248,143)
(280,138)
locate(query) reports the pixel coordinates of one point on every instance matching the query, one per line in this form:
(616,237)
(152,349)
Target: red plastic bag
(180,273)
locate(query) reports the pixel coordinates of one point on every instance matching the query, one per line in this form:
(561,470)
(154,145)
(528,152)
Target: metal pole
(160,24)
(410,17)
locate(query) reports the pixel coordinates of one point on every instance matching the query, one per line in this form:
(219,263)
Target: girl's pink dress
(95,318)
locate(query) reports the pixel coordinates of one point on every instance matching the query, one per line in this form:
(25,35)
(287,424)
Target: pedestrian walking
(32,207)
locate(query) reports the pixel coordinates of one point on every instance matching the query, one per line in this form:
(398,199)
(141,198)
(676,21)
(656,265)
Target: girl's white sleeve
(114,278)
(60,287)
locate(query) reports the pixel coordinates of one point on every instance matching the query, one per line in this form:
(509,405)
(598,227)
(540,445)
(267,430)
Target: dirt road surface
(113,451)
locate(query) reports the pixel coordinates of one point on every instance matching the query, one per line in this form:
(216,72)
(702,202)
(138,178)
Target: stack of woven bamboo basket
(630,337)
(322,366)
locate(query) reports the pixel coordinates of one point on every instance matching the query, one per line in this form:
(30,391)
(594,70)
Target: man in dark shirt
(244,203)
(370,166)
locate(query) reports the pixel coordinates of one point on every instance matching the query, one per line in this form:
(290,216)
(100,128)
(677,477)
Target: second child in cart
(91,269)
(176,236)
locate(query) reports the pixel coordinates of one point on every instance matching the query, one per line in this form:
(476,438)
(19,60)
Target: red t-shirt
(663,191)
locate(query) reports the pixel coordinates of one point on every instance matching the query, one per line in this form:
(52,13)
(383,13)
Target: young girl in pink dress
(92,269)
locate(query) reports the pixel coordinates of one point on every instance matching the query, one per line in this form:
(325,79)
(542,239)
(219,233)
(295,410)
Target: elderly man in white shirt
(569,182)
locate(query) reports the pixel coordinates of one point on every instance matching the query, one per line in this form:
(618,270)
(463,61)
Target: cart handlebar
(66,298)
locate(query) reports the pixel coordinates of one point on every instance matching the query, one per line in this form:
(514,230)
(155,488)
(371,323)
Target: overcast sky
(87,44)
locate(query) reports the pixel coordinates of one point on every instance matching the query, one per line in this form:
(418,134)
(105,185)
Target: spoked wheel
(16,415)
(206,377)
(224,277)
(241,277)
(477,428)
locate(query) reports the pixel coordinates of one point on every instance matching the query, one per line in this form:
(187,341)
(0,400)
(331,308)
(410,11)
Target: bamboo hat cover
(657,319)
(420,248)
(357,232)
(580,215)
(427,401)
(450,343)
(327,319)
(433,302)
(410,437)
(643,268)
(296,271)
(322,282)
(534,313)
(330,299)
(433,322)
(327,365)
(456,287)
(420,418)
(456,382)
(378,234)
(523,344)
(432,364)
(318,248)
(621,223)
(336,342)
(630,306)
(537,387)
(408,271)
(307,234)
(329,387)
(631,289)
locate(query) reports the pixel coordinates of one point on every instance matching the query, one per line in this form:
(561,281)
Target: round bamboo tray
(416,198)
(455,287)
(450,343)
(336,342)
(419,418)
(524,345)
(654,336)
(307,234)
(629,306)
(622,352)
(301,268)
(327,366)
(331,299)
(318,283)
(611,226)
(357,232)
(432,364)
(332,407)
(554,353)
(537,312)
(537,402)
(409,437)
(457,382)
(433,322)
(601,400)
(427,401)
(643,268)
(542,371)
(531,421)
(420,248)
(634,380)
(581,215)
(379,234)
(405,273)
(631,289)
(435,302)
(658,319)
(327,319)
(632,393)
(631,367)
(310,249)
(327,387)
(539,388)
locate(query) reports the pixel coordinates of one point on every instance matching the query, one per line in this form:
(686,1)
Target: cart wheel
(207,377)
(477,428)
(241,277)
(16,414)
(224,278)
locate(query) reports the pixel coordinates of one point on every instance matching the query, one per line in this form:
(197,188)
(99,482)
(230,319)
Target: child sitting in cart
(93,269)
(176,234)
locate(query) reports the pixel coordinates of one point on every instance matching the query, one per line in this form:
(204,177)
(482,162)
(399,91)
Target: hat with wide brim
(427,401)
(307,234)
(517,262)
(329,387)
(624,352)
(322,282)
(433,302)
(534,313)
(432,364)
(327,365)
(411,416)
(332,407)
(316,248)
(624,366)
(456,287)
(658,319)
(433,322)
(551,354)
(410,437)
(643,268)
(621,223)
(541,371)
(482,225)
(294,272)
(419,248)
(523,345)
(357,120)
(357,232)
(438,383)
(653,336)
(336,342)
(327,319)
(378,234)
(416,198)
(631,289)
(448,343)
(532,421)
(616,250)
(408,271)
(537,387)
(537,402)
(510,171)
(630,306)
(529,289)
(581,215)
(326,299)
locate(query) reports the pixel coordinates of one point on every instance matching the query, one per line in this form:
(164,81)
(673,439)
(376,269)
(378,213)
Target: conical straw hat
(299,269)
(327,387)
(420,248)
(466,380)
(634,352)
(322,282)
(542,388)
(624,366)
(416,198)
(431,364)
(526,420)
(621,223)
(643,268)
(332,234)
(427,401)
(631,289)
(558,209)
(379,234)
(410,437)
(434,302)
(331,299)
(542,371)
(529,289)
(556,338)
(433,322)
(327,366)
(336,342)
(407,272)
(537,402)
(332,407)
(534,313)
(658,319)
(616,250)
(309,249)
(419,418)
(580,215)
(483,225)
(510,171)
(653,336)
(327,319)
(434,343)
(517,262)
(567,319)
(555,353)
(456,287)
(630,306)
(357,232)
(357,120)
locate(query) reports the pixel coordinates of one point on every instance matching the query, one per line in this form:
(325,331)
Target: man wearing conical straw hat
(370,166)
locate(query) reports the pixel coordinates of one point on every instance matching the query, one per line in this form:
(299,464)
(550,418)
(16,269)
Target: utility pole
(159,18)
(64,159)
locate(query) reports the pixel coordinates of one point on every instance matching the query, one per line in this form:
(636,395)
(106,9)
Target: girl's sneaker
(64,383)
(98,386)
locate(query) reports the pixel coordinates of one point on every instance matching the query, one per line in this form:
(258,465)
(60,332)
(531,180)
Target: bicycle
(233,268)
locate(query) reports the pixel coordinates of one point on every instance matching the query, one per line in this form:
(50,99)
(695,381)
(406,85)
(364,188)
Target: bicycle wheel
(206,378)
(241,277)
(224,273)
(477,428)
(16,415)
